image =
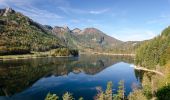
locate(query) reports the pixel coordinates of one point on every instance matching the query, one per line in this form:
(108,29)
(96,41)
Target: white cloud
(31,2)
(130,34)
(9,3)
(41,16)
(161,20)
(71,10)
(98,11)
(32,11)
(26,7)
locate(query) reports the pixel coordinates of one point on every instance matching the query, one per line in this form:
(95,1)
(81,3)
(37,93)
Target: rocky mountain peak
(6,11)
(48,27)
(63,29)
(76,30)
(91,31)
(66,27)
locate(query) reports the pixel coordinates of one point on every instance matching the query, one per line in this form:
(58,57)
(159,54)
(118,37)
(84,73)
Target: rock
(6,11)
(76,30)
(58,29)
(48,27)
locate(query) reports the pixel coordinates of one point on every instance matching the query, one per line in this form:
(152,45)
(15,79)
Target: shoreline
(18,57)
(44,54)
(34,55)
(6,59)
(114,54)
(148,70)
(28,56)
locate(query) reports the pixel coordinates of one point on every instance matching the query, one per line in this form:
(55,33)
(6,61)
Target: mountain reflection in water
(32,79)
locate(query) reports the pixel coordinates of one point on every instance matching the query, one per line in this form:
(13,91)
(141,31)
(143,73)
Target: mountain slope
(91,40)
(19,34)
(97,40)
(66,37)
(155,52)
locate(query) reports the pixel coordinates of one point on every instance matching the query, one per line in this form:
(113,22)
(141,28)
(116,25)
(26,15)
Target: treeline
(65,52)
(154,52)
(18,35)
(108,94)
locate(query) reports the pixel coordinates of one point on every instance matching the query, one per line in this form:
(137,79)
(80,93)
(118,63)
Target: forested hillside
(20,35)
(154,52)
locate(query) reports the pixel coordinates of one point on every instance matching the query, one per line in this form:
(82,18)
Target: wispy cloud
(99,11)
(8,3)
(63,3)
(26,7)
(32,11)
(3,3)
(42,16)
(129,34)
(162,19)
(71,10)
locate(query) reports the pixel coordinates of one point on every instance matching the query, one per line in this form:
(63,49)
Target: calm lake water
(32,79)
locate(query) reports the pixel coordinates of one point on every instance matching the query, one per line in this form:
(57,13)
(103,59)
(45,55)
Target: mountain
(76,30)
(20,34)
(95,39)
(66,36)
(89,39)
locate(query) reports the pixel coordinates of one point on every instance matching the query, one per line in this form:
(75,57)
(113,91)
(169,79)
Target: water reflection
(34,78)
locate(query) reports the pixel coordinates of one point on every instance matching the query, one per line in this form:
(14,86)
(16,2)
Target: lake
(32,79)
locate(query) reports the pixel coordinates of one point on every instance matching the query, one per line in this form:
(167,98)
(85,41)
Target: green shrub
(137,95)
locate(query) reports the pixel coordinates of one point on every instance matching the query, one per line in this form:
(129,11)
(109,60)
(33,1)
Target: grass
(25,56)
(31,55)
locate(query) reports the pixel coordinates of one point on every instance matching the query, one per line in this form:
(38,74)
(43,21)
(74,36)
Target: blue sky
(123,19)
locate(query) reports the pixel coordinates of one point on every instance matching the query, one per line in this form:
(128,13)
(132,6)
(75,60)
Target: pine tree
(108,91)
(100,95)
(68,96)
(81,98)
(121,91)
(51,97)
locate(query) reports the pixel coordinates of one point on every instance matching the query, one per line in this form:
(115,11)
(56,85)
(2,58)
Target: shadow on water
(21,76)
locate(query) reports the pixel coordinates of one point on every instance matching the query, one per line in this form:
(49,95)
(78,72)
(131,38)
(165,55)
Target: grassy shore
(50,54)
(105,53)
(25,56)
(32,55)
